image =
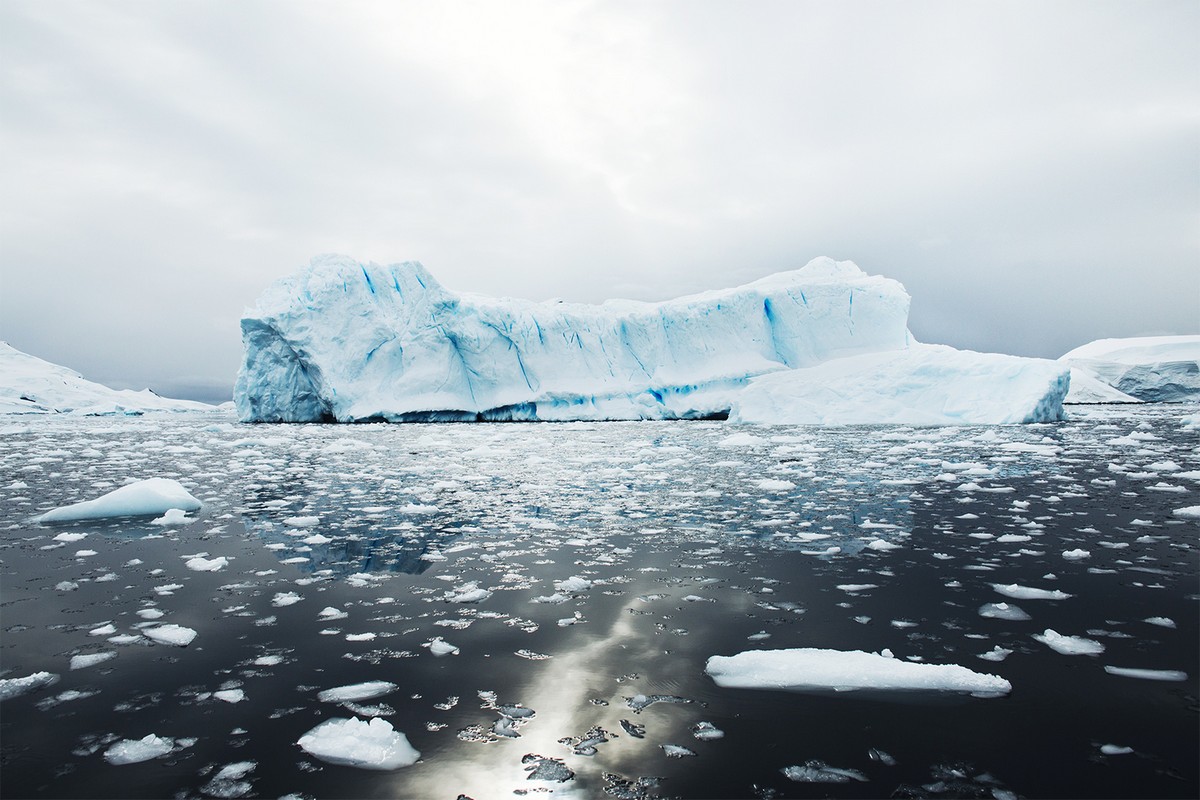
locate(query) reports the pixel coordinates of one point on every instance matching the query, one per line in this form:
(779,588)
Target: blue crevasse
(324,345)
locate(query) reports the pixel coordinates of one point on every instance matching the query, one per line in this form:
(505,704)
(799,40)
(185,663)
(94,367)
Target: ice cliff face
(1156,369)
(343,341)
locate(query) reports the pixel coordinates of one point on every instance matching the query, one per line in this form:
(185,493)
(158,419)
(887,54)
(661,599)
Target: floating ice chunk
(70,537)
(282,599)
(773,485)
(1191,512)
(201,564)
(133,751)
(882,757)
(440,647)
(1147,674)
(575,583)
(91,659)
(1069,645)
(359,637)
(742,440)
(641,701)
(268,661)
(1162,622)
(997,653)
(103,630)
(15,687)
(355,743)
(150,496)
(854,588)
(66,586)
(882,545)
(302,522)
(706,731)
(1076,554)
(357,692)
(1115,750)
(1029,593)
(819,772)
(228,780)
(1009,538)
(1003,611)
(230,695)
(816,669)
(329,612)
(677,751)
(467,593)
(173,516)
(171,633)
(542,768)
(150,613)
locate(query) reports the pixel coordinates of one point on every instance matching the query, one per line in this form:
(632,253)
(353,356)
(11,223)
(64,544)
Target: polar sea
(532,606)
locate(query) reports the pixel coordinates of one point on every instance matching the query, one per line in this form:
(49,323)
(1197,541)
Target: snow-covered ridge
(1156,369)
(29,385)
(344,341)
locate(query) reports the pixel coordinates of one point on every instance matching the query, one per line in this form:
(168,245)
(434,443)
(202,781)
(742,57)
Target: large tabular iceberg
(1157,369)
(343,341)
(923,385)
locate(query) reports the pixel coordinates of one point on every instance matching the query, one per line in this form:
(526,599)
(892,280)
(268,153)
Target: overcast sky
(1029,171)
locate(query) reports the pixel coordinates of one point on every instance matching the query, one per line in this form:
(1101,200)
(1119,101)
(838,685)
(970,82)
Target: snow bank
(811,668)
(29,385)
(923,385)
(344,341)
(355,743)
(1157,369)
(151,496)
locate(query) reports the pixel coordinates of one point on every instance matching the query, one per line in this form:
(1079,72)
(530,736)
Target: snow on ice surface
(1069,645)
(355,743)
(1151,368)
(922,385)
(345,341)
(145,497)
(839,670)
(14,687)
(29,385)
(133,751)
(356,692)
(170,633)
(1147,674)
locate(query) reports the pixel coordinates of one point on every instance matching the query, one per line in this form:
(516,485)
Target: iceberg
(137,499)
(342,341)
(921,385)
(807,669)
(29,385)
(1155,369)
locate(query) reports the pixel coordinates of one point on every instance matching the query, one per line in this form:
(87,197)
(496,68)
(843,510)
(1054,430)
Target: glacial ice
(142,498)
(355,743)
(1159,369)
(921,385)
(809,668)
(344,341)
(29,385)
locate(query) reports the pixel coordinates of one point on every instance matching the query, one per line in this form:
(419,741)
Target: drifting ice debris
(342,341)
(633,729)
(1147,674)
(14,687)
(641,701)
(355,743)
(177,635)
(676,751)
(814,669)
(819,772)
(133,751)
(1069,645)
(1006,611)
(151,496)
(1017,592)
(228,781)
(706,731)
(356,692)
(586,745)
(544,768)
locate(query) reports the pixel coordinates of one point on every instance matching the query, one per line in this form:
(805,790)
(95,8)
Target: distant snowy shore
(29,385)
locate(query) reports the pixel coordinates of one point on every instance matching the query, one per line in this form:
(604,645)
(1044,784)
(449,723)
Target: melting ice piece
(641,701)
(1018,592)
(543,768)
(355,743)
(1069,645)
(173,516)
(1115,750)
(816,669)
(133,751)
(151,496)
(228,780)
(440,647)
(201,564)
(997,653)
(467,593)
(14,687)
(1003,611)
(1147,674)
(706,731)
(356,691)
(91,659)
(819,772)
(677,751)
(171,633)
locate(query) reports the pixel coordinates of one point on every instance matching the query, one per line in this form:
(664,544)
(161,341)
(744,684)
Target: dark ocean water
(685,540)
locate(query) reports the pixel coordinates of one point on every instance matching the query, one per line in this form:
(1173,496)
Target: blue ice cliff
(344,341)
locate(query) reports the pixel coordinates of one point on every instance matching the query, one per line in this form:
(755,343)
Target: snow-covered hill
(29,385)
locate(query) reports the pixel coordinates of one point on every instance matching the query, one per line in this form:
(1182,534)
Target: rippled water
(669,543)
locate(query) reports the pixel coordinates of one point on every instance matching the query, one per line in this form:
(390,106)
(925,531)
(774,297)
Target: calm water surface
(683,540)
